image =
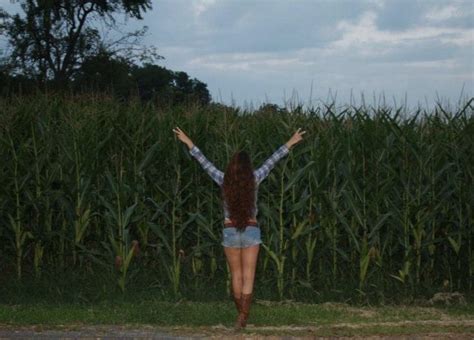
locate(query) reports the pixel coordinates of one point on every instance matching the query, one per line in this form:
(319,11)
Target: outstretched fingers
(299,132)
(178,131)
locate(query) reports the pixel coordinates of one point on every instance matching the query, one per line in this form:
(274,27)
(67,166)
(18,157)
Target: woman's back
(259,174)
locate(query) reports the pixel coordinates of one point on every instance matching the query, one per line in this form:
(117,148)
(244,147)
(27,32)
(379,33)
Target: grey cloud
(404,14)
(257,50)
(401,14)
(264,26)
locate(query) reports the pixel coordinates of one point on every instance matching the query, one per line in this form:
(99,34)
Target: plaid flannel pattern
(260,174)
(216,174)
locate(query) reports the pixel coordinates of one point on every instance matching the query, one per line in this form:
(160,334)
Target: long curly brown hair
(239,189)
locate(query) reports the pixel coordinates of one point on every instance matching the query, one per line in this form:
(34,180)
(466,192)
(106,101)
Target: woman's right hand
(296,138)
(182,137)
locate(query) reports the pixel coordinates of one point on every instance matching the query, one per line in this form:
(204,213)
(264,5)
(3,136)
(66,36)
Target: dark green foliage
(53,37)
(374,202)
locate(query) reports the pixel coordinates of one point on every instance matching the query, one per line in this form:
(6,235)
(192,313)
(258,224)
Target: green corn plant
(368,255)
(196,261)
(119,217)
(39,199)
(82,208)
(63,222)
(123,265)
(385,206)
(300,228)
(140,177)
(279,262)
(175,222)
(83,215)
(38,256)
(16,225)
(37,195)
(310,246)
(403,273)
(278,255)
(204,238)
(270,214)
(21,236)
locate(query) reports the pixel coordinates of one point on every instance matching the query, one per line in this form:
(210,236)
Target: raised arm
(216,174)
(262,172)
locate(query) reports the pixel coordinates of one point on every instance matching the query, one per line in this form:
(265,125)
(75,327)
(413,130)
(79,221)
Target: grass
(188,317)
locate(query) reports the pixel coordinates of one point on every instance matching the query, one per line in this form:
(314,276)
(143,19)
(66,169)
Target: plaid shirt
(260,174)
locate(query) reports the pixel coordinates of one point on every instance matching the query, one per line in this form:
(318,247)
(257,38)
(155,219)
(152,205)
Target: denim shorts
(235,239)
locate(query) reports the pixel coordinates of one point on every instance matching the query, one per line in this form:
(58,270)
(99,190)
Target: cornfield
(375,201)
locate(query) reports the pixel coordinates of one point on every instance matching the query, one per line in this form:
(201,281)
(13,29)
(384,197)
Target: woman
(241,234)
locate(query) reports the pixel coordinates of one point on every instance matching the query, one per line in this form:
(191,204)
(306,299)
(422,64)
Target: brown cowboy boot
(237,302)
(238,305)
(245,305)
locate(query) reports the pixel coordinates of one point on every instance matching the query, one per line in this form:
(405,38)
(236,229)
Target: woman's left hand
(296,138)
(182,137)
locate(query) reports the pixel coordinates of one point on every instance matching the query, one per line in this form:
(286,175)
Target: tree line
(55,45)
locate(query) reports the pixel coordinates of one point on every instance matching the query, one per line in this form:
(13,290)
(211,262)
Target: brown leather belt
(228,224)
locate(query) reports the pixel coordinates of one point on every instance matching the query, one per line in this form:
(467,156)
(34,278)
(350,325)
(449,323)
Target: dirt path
(447,329)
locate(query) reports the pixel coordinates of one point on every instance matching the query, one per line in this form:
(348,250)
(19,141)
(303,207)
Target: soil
(220,331)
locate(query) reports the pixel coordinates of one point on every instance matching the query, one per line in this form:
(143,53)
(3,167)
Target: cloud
(451,63)
(420,58)
(258,48)
(201,6)
(256,62)
(377,3)
(359,41)
(363,37)
(444,13)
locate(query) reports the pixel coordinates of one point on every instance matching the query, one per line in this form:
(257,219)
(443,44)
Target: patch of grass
(212,313)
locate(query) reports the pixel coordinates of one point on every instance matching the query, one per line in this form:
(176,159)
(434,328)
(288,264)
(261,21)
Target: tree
(103,72)
(201,92)
(56,43)
(190,89)
(56,36)
(154,81)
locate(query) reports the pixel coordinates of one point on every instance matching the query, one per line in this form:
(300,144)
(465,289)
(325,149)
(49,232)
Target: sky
(251,52)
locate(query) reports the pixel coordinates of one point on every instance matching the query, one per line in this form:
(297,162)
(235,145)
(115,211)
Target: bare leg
(234,260)
(249,263)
